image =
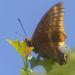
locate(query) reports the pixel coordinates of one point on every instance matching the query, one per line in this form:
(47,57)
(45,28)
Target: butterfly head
(28,41)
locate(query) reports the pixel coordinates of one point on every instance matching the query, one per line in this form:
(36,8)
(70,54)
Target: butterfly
(49,35)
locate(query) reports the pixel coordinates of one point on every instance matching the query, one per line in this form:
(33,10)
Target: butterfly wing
(49,33)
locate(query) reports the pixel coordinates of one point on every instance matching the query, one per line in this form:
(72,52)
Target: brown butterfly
(49,35)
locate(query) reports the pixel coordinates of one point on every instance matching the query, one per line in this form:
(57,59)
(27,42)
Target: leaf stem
(26,65)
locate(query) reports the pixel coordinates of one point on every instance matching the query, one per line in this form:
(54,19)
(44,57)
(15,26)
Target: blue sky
(30,12)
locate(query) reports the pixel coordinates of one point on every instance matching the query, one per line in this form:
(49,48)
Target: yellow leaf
(21,47)
(27,51)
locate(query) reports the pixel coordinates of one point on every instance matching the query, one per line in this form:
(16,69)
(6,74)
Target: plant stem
(26,65)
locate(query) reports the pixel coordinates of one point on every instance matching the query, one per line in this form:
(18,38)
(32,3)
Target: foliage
(67,69)
(46,63)
(21,47)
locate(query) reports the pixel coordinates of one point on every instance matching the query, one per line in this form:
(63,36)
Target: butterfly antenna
(22,27)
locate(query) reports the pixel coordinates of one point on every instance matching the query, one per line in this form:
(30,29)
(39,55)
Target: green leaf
(46,63)
(28,72)
(23,72)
